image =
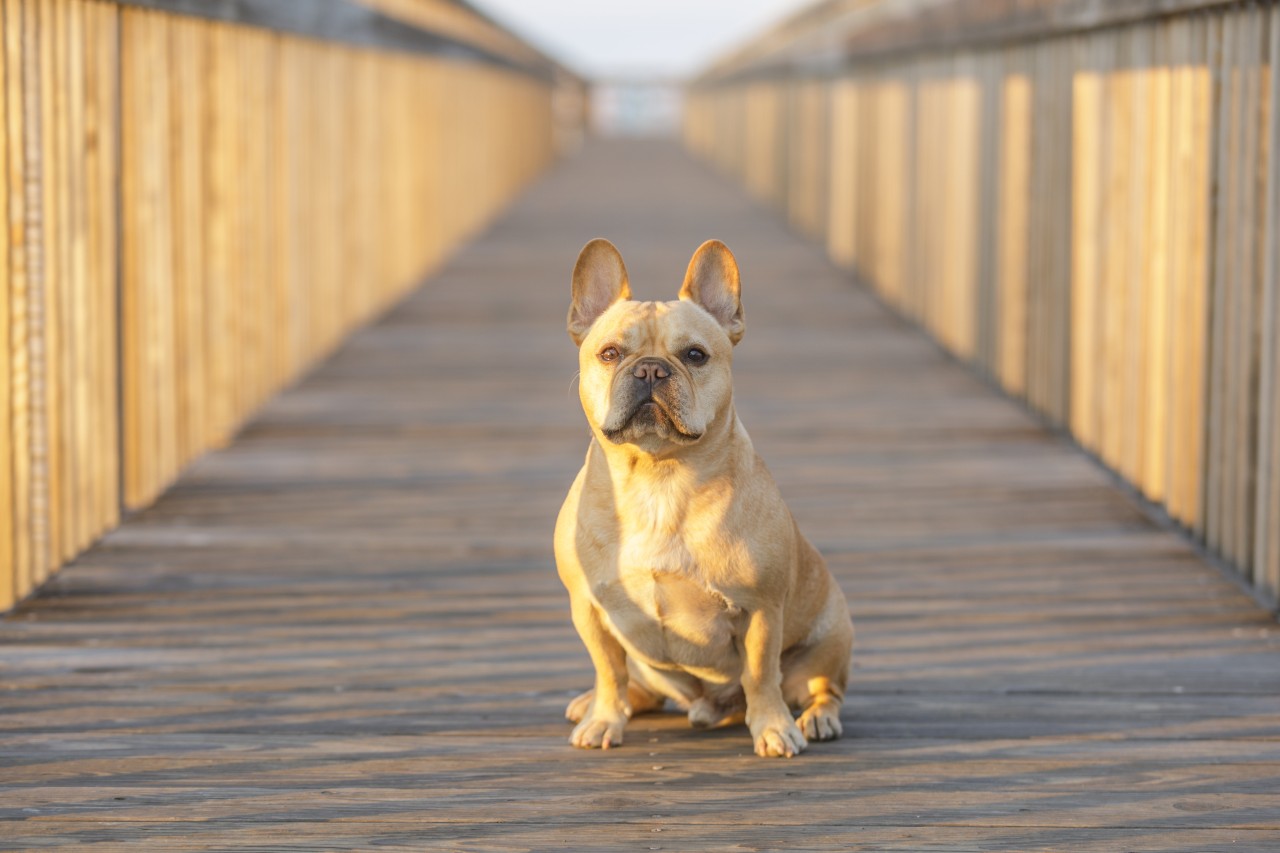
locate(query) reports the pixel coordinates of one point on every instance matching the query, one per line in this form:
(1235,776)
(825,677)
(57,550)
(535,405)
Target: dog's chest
(669,619)
(660,602)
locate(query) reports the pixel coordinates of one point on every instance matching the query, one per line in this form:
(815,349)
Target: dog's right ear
(599,280)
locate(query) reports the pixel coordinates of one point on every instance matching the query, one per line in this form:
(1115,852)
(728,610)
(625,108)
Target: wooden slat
(1060,307)
(101,76)
(50,384)
(9,590)
(1015,200)
(1199,269)
(1244,414)
(1114,223)
(1086,241)
(842,194)
(78,531)
(1266,546)
(1153,445)
(19,297)
(1224,34)
(1132,227)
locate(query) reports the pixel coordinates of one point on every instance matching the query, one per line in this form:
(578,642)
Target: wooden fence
(1077,198)
(197,209)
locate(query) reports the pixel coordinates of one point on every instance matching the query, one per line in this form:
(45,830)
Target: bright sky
(663,37)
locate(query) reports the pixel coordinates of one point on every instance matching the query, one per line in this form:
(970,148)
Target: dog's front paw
(778,739)
(598,731)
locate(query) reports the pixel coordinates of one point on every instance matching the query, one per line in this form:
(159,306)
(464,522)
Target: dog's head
(655,374)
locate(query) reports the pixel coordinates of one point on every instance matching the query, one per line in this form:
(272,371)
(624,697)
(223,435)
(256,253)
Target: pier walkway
(345,631)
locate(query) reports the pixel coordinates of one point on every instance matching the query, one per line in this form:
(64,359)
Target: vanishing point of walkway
(345,632)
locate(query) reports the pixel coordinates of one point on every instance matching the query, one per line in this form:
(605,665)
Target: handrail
(835,35)
(350,22)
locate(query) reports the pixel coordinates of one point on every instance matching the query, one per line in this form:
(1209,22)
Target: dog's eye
(695,355)
(608,354)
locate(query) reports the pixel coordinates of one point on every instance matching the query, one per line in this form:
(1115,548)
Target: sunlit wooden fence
(199,208)
(1078,198)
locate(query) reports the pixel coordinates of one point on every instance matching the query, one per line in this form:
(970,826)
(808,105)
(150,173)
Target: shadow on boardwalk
(346,632)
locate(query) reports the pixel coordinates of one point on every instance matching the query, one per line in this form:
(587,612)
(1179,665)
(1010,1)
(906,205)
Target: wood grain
(9,590)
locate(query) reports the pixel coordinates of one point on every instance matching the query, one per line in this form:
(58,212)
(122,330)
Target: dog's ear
(712,282)
(599,280)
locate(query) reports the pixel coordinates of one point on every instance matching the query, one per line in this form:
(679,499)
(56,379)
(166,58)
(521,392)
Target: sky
(600,38)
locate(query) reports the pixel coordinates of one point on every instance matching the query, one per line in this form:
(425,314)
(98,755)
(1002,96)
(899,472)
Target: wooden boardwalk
(345,632)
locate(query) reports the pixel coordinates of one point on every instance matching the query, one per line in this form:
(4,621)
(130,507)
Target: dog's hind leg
(718,709)
(814,679)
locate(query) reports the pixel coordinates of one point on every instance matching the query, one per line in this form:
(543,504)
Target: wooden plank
(1155,437)
(1115,223)
(1223,42)
(1133,230)
(1245,413)
(1267,524)
(1180,218)
(989,76)
(844,153)
(8,447)
(1060,308)
(1086,272)
(101,77)
(47,379)
(964,172)
(187,93)
(1199,267)
(80,461)
(1015,201)
(19,295)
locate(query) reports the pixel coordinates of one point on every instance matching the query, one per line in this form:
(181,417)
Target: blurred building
(636,106)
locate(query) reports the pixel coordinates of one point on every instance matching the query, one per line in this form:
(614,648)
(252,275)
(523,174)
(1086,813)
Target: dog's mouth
(651,416)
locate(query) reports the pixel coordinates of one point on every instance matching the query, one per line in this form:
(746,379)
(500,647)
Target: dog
(688,577)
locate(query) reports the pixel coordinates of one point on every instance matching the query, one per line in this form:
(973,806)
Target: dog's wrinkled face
(655,374)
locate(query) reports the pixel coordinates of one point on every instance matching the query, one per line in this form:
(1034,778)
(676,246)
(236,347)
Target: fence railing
(1079,199)
(199,207)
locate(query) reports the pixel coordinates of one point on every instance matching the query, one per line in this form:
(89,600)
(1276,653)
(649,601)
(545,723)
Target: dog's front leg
(773,729)
(608,713)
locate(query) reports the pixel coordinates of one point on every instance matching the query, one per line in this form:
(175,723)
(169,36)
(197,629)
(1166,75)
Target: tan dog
(688,577)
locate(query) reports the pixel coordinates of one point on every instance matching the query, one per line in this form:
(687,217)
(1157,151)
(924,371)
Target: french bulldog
(687,576)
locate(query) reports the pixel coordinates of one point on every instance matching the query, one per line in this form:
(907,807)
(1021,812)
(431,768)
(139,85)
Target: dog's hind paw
(821,721)
(579,706)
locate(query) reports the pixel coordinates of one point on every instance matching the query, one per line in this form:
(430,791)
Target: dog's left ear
(712,282)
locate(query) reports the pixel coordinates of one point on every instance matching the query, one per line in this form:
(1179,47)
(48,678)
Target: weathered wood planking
(1132,172)
(345,631)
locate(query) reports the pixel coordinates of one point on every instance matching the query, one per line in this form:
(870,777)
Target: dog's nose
(650,371)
